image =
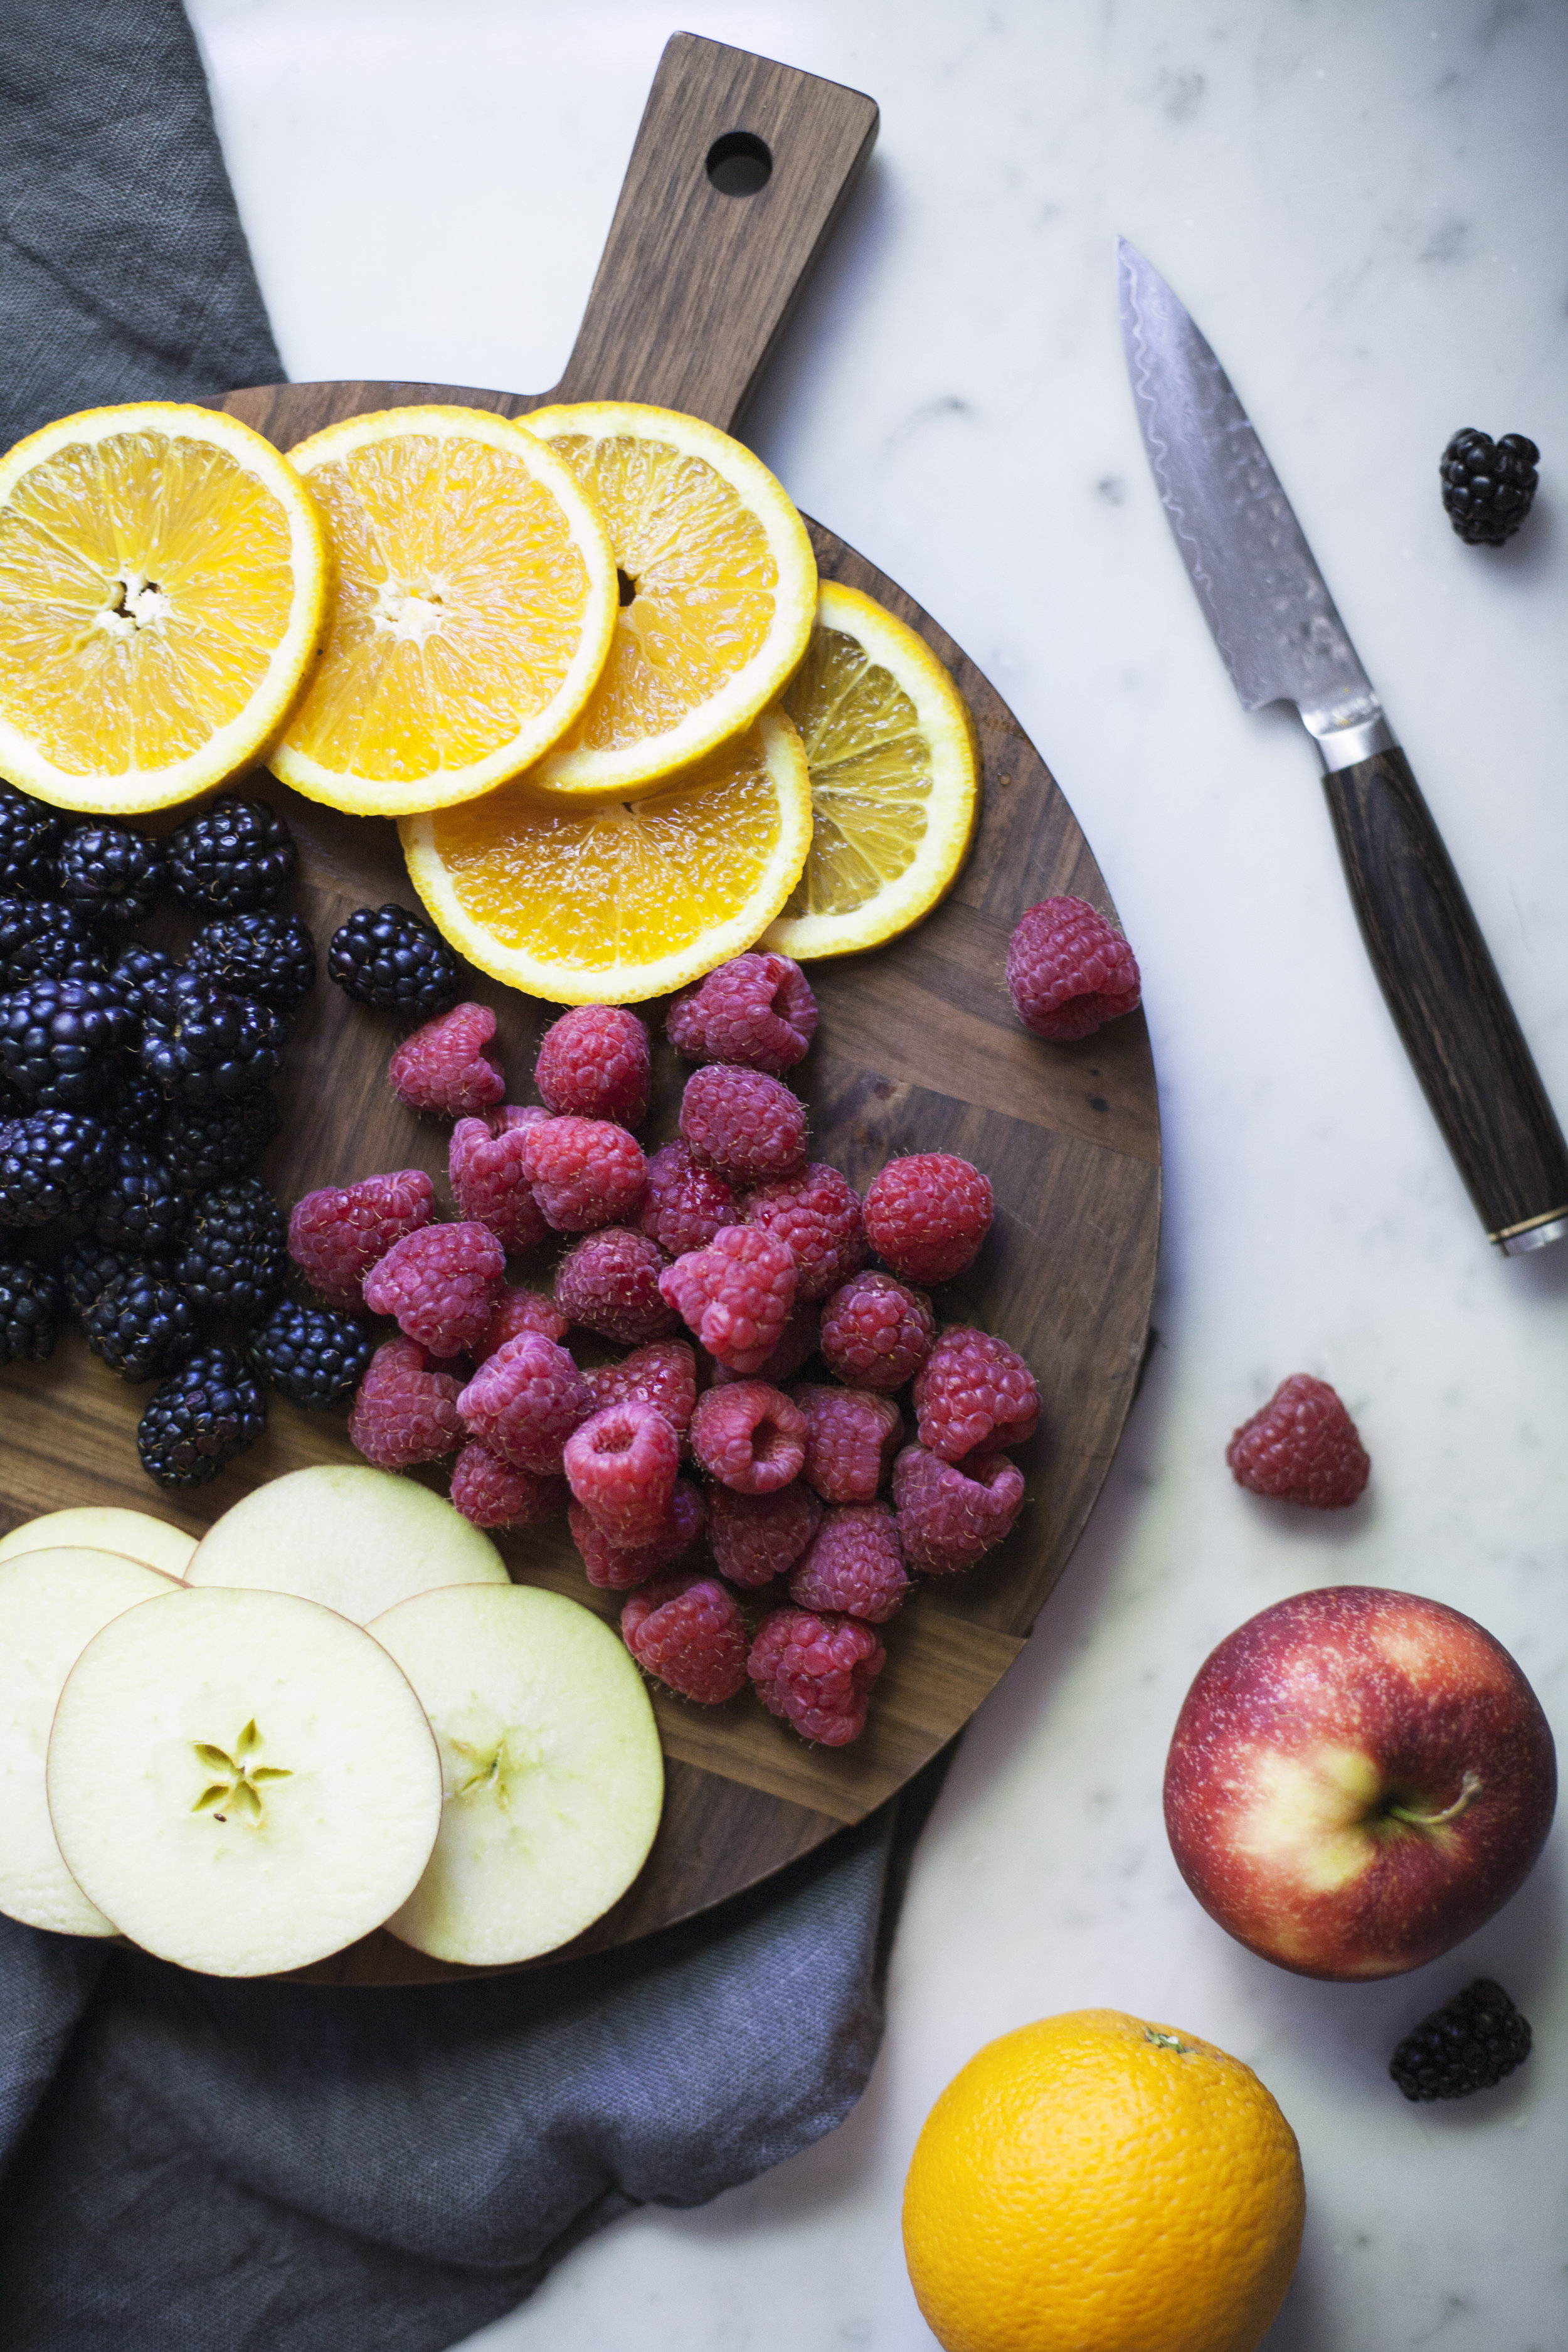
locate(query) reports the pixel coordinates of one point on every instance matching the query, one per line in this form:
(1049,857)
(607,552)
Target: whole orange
(1093,2183)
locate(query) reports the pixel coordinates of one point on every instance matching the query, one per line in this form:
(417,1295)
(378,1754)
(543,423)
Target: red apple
(1358,1779)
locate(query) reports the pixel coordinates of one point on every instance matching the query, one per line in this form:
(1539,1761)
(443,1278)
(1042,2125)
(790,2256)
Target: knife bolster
(1346,747)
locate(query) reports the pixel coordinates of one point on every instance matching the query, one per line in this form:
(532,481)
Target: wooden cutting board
(918,1049)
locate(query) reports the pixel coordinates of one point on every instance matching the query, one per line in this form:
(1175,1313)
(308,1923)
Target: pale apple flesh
(99,1526)
(1358,1781)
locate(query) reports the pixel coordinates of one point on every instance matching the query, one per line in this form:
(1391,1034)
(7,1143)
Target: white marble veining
(1364,206)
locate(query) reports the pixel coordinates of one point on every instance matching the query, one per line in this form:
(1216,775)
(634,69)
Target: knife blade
(1282,640)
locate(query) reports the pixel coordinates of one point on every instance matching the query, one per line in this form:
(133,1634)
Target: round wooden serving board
(917,1050)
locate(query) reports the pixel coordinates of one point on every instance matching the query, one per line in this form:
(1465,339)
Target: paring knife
(1282,641)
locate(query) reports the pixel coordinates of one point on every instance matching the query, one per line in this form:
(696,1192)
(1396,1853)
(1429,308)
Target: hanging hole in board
(739,164)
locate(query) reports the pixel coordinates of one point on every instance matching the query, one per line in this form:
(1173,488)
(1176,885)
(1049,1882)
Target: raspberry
(520,1311)
(855,1563)
(876,1332)
(615,1566)
(816,1672)
(608,1282)
(749,1436)
(442,1284)
(817,1217)
(927,1215)
(484,1164)
(796,1343)
(973,1391)
(1068,969)
(593,1063)
(744,1125)
(736,1294)
(444,1068)
(621,1463)
(405,1412)
(690,1632)
(756,1010)
(664,1374)
(756,1537)
(337,1235)
(851,1437)
(686,1205)
(1303,1447)
(493,1494)
(524,1402)
(586,1172)
(950,1514)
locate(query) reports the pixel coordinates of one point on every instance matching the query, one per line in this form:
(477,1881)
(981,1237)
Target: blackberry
(235,857)
(309,1354)
(202,1046)
(30,837)
(201,1418)
(31,1306)
(201,1147)
(50,1165)
(386,957)
(236,1252)
(111,874)
(141,1208)
(270,956)
(1489,487)
(142,973)
(1468,2044)
(135,1107)
(59,1040)
(141,1324)
(40,941)
(88,1265)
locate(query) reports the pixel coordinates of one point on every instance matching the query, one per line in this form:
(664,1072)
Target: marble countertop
(1365,209)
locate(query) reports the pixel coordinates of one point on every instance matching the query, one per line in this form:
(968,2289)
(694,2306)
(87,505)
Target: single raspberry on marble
(816,1671)
(927,1214)
(684,1204)
(617,1567)
(690,1633)
(608,1282)
(1068,969)
(749,1436)
(974,1393)
(817,1215)
(951,1514)
(1303,1447)
(484,1165)
(755,1538)
(757,1010)
(855,1563)
(735,1294)
(876,1332)
(336,1234)
(621,1463)
(586,1172)
(521,1310)
(794,1345)
(664,1374)
(851,1437)
(593,1063)
(745,1126)
(524,1402)
(442,1285)
(405,1412)
(495,1493)
(444,1068)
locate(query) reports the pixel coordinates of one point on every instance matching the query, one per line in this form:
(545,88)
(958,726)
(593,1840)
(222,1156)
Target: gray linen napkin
(195,2166)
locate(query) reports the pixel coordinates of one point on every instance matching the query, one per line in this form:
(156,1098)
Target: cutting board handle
(740,171)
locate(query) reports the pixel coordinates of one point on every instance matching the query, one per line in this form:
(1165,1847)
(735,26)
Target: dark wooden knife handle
(1448,1005)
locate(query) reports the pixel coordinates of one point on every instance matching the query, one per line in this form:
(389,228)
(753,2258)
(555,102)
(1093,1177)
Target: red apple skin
(1304,1725)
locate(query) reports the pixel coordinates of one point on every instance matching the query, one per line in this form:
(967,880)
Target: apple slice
(550,1761)
(95,1526)
(357,1540)
(242,1781)
(51,1604)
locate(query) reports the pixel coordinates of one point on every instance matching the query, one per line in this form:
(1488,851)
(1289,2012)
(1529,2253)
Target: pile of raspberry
(788,1419)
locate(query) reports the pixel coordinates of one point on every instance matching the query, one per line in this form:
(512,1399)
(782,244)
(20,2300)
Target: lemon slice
(895,780)
(718,582)
(162,575)
(475,602)
(610,902)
